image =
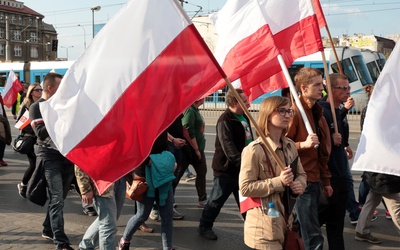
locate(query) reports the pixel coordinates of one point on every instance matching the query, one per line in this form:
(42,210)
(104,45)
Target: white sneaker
(154,214)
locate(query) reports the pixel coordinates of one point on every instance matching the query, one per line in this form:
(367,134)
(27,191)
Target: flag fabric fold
(247,25)
(378,149)
(11,89)
(137,76)
(247,203)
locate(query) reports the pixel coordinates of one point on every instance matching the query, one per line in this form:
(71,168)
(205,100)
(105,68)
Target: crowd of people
(306,175)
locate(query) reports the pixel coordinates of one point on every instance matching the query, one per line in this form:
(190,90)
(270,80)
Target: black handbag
(24,143)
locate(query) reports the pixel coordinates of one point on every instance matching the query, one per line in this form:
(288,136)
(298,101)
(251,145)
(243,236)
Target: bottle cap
(271,205)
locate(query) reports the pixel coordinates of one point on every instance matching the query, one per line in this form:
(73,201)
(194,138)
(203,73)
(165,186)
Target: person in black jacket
(233,134)
(333,214)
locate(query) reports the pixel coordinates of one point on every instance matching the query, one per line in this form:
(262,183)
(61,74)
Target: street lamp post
(96,8)
(84,36)
(66,48)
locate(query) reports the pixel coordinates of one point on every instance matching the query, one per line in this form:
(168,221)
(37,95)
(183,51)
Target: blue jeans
(59,174)
(143,211)
(223,187)
(307,215)
(103,230)
(351,205)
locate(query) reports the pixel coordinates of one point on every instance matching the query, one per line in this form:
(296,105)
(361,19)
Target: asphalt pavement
(21,220)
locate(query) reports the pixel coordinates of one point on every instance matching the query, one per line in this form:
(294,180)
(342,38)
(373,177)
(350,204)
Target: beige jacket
(255,180)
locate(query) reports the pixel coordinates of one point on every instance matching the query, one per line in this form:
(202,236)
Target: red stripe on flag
(181,74)
(249,203)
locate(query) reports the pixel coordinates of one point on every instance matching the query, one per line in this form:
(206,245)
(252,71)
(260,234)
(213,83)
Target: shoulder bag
(136,190)
(23,143)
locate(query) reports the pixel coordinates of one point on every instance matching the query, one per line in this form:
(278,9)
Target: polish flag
(23,121)
(247,203)
(378,149)
(143,69)
(295,31)
(320,14)
(11,89)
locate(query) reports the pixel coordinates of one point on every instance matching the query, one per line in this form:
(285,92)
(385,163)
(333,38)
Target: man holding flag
(314,150)
(58,171)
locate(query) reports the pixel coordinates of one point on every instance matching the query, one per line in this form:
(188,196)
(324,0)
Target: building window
(2,33)
(16,35)
(20,20)
(1,49)
(18,50)
(2,17)
(34,52)
(13,19)
(33,37)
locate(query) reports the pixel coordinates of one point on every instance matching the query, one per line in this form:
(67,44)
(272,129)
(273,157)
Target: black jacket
(229,143)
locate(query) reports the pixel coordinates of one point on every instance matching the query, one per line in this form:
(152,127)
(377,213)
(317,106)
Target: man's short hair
(303,76)
(230,99)
(335,76)
(50,80)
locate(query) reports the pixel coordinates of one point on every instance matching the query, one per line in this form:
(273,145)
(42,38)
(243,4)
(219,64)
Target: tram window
(373,70)
(348,70)
(3,79)
(37,79)
(362,70)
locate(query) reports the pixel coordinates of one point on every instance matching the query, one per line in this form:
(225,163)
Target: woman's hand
(286,176)
(296,187)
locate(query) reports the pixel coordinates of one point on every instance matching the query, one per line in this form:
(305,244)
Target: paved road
(20,220)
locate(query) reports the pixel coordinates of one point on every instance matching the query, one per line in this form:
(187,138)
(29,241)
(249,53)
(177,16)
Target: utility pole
(8,46)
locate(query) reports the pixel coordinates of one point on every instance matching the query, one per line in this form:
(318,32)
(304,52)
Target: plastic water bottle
(272,212)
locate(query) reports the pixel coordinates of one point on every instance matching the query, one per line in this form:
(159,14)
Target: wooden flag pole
(257,128)
(334,50)
(330,95)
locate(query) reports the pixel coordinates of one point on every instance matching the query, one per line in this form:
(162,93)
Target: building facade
(24,37)
(371,42)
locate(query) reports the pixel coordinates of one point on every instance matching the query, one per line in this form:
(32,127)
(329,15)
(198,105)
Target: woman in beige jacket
(263,181)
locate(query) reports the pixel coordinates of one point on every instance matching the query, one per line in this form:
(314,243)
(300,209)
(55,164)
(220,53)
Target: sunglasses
(38,90)
(342,87)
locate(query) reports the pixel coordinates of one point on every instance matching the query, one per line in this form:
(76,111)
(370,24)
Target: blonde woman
(33,94)
(263,181)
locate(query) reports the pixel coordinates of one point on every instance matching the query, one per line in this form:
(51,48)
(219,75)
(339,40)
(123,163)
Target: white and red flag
(11,89)
(295,32)
(379,147)
(143,69)
(23,121)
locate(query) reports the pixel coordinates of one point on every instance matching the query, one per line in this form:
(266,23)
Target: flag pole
(295,95)
(334,49)
(330,96)
(257,128)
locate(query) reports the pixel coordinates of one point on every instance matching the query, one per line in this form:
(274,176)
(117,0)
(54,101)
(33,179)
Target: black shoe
(65,247)
(209,235)
(22,189)
(48,235)
(89,211)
